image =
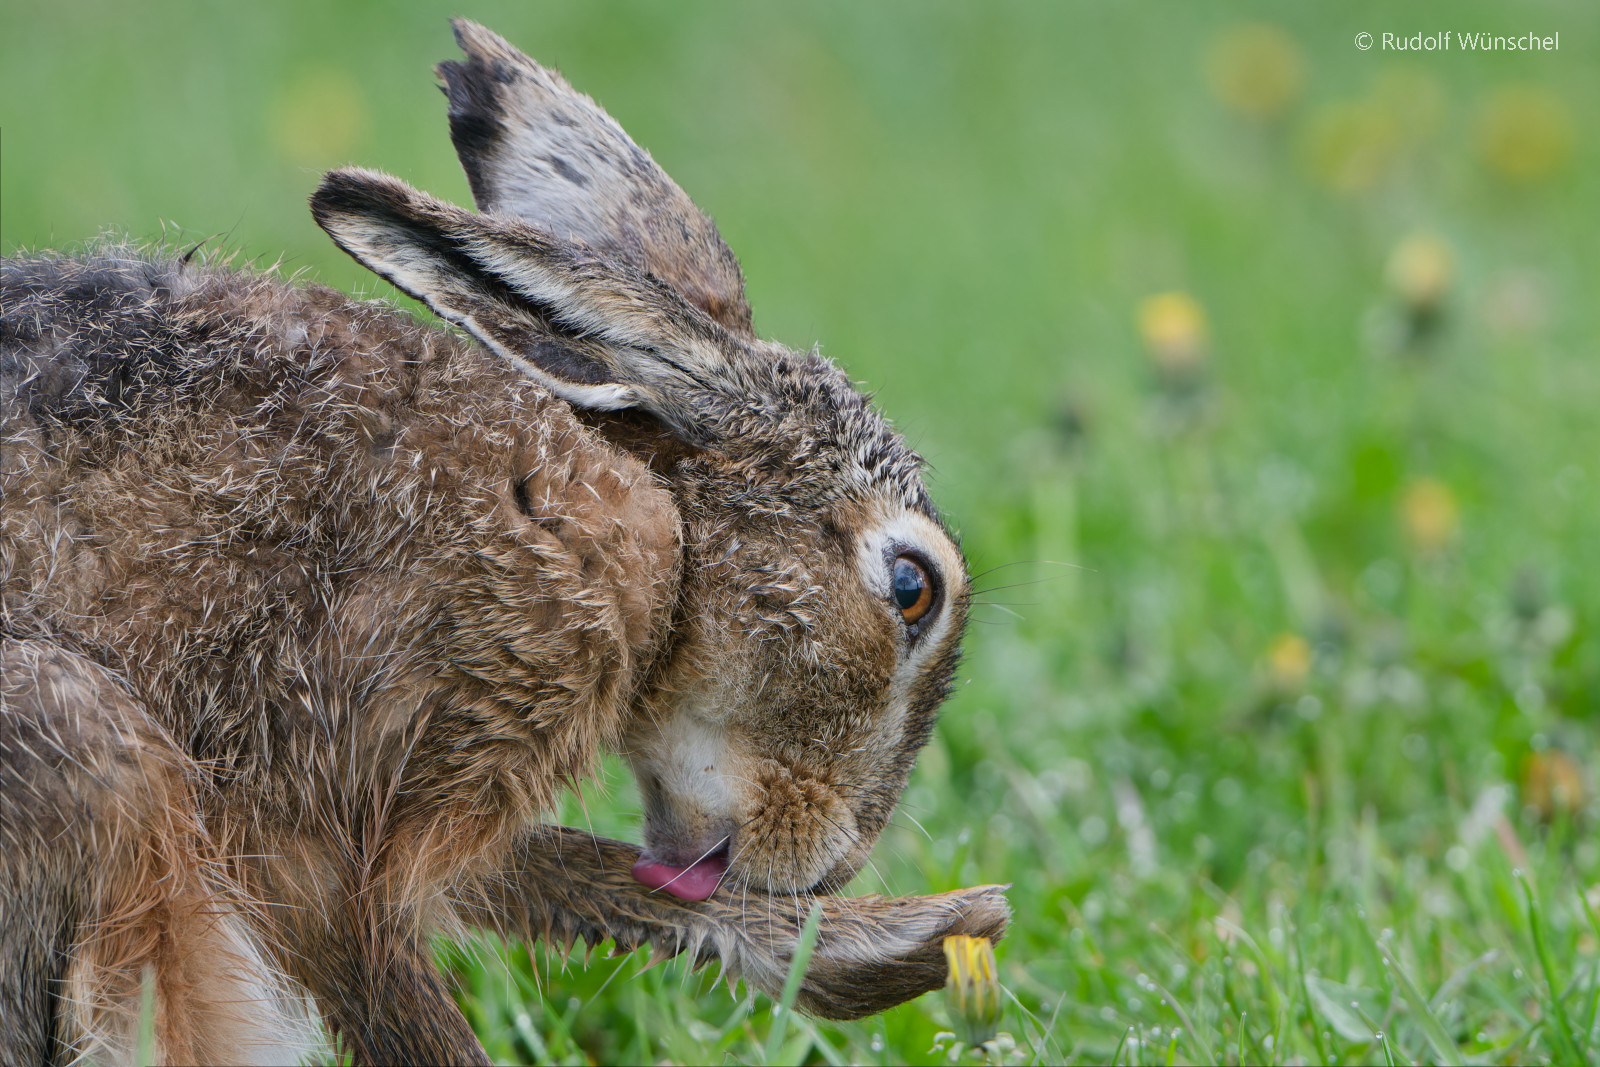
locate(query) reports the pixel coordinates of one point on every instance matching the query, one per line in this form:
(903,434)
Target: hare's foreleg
(107,888)
(351,927)
(388,1003)
(873,952)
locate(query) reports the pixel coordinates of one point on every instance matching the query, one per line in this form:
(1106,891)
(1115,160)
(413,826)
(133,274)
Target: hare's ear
(535,148)
(599,335)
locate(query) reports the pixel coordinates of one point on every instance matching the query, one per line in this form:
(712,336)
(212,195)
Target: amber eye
(913,592)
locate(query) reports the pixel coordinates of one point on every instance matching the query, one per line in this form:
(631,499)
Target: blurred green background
(1258,372)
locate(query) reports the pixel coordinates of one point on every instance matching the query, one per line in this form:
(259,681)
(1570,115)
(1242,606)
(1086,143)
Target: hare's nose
(682,847)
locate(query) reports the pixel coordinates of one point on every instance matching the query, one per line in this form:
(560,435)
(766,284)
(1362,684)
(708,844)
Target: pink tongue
(696,882)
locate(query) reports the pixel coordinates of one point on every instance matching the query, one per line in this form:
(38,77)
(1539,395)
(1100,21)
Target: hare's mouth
(696,881)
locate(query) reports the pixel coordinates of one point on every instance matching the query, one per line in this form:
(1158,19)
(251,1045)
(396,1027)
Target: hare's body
(310,610)
(266,506)
(258,507)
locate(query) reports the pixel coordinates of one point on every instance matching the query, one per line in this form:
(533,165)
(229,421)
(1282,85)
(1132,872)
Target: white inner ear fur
(615,313)
(389,253)
(604,397)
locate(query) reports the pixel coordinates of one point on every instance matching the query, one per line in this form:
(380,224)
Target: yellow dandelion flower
(1173,327)
(1255,69)
(1420,269)
(1524,133)
(1289,661)
(1430,515)
(972,991)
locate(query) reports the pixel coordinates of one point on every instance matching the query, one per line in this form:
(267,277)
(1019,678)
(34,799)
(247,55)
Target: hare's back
(231,479)
(118,342)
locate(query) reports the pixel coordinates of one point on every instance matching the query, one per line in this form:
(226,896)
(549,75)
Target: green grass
(1214,859)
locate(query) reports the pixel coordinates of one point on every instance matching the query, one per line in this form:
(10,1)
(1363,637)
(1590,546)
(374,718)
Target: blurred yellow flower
(1430,514)
(1420,269)
(318,119)
(1256,69)
(1524,132)
(1289,661)
(1552,782)
(972,990)
(1350,144)
(1173,327)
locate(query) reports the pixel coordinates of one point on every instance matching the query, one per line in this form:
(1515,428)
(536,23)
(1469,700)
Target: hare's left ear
(599,335)
(535,148)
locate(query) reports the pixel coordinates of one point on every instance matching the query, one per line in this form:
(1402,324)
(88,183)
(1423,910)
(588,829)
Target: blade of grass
(821,1045)
(1277,1002)
(1028,1016)
(1541,949)
(1189,1027)
(145,1052)
(530,1036)
(791,984)
(1116,1056)
(1206,1038)
(1432,1028)
(1594,925)
(1311,1015)
(1457,981)
(1377,1030)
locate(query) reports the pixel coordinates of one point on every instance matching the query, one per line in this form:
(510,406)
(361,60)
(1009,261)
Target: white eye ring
(910,589)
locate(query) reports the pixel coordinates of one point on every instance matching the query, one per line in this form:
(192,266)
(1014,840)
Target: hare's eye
(913,592)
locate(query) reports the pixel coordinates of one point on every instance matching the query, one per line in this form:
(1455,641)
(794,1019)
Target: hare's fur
(310,610)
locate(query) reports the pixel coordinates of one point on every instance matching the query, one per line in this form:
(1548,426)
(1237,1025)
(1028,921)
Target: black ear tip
(471,84)
(350,190)
(467,84)
(335,189)
(329,201)
(451,75)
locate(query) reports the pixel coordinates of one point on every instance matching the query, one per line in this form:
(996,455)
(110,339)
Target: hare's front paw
(872,952)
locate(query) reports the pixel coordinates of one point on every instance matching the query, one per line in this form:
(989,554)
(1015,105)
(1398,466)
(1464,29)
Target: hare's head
(821,601)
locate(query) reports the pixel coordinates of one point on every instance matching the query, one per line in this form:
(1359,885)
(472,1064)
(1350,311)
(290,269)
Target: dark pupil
(907,586)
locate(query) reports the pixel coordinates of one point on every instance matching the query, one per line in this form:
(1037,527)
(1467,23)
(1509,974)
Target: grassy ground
(1279,712)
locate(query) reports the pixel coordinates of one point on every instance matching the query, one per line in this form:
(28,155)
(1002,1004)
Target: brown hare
(310,610)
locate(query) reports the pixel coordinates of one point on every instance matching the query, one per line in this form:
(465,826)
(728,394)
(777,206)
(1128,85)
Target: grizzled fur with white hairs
(308,611)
